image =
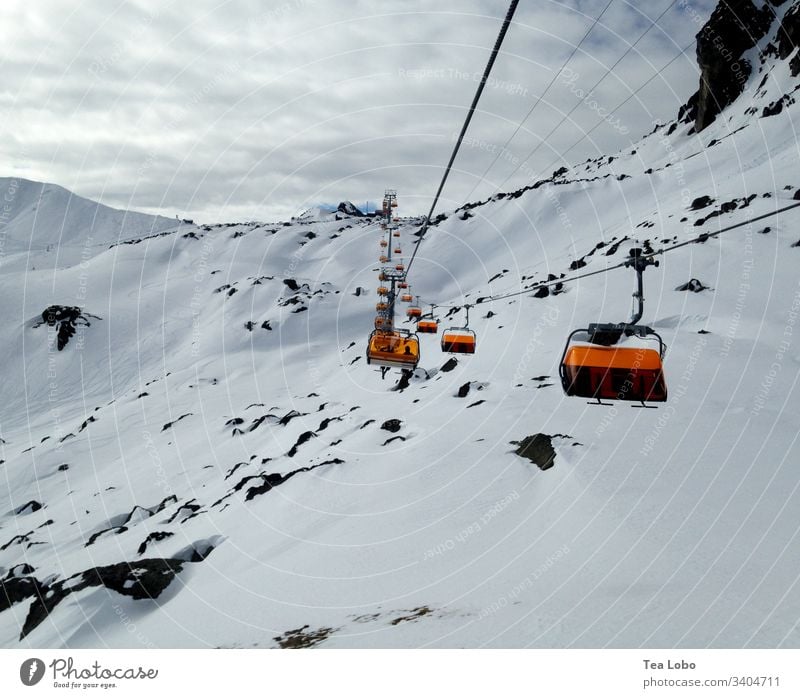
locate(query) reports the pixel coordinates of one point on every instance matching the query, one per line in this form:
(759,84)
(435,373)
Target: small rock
(693,285)
(701,202)
(449,365)
(28,508)
(538,449)
(392,425)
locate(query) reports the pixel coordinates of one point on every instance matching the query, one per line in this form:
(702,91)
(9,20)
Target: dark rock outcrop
(392,425)
(303,638)
(693,285)
(449,365)
(349,208)
(303,438)
(65,319)
(789,38)
(734,27)
(701,202)
(538,449)
(145,579)
(153,538)
(16,589)
(28,508)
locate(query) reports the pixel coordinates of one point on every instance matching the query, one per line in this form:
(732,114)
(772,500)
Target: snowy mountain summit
(46,218)
(196,454)
(349,209)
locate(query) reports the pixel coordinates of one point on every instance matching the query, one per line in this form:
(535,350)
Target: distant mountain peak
(349,208)
(43,216)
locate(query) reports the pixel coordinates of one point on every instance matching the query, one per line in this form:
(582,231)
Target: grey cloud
(213,109)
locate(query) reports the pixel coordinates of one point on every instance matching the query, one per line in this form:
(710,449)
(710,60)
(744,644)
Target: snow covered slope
(208,461)
(48,218)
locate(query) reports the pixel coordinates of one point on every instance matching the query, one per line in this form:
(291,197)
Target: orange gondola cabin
(458,340)
(596,367)
(428,326)
(613,373)
(393,349)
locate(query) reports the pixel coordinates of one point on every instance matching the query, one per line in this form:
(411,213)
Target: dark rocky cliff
(734,28)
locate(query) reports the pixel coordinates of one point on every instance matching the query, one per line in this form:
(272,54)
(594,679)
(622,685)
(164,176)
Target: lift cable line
(538,100)
(599,369)
(578,104)
(700,238)
(704,236)
(655,75)
(506,22)
(592,364)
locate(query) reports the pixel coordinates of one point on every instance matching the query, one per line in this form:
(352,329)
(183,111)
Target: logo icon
(31,671)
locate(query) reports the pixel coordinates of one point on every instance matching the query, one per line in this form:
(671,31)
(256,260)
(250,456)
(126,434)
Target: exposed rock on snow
(693,285)
(28,508)
(65,319)
(303,638)
(538,449)
(734,27)
(144,579)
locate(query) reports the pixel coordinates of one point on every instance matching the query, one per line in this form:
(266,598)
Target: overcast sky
(243,110)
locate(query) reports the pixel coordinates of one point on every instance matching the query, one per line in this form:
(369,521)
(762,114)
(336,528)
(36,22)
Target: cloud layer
(227,111)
